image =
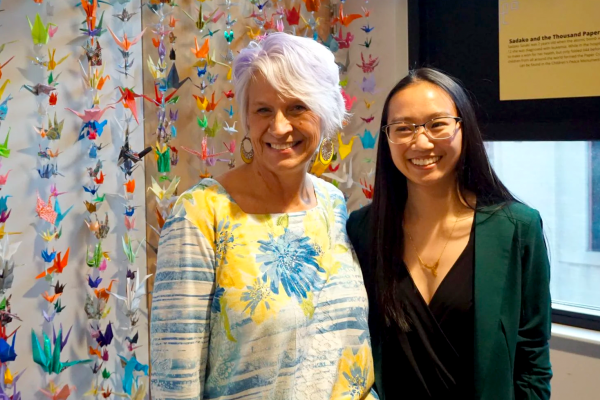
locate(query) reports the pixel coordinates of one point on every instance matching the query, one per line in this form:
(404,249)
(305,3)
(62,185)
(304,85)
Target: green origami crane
(58,307)
(4,150)
(202,123)
(49,359)
(39,32)
(128,248)
(199,21)
(212,131)
(53,80)
(96,259)
(163,159)
(55,128)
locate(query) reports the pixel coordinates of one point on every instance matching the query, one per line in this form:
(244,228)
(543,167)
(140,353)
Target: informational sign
(549,49)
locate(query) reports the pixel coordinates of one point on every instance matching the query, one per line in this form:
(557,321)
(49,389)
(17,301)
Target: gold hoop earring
(326,151)
(247,155)
(323,158)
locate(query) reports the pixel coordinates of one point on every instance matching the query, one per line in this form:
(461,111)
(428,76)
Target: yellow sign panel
(549,49)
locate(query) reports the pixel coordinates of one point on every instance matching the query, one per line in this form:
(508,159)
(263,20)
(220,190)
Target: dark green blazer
(511,301)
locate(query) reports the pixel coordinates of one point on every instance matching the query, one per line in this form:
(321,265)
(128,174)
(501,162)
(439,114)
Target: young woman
(456,268)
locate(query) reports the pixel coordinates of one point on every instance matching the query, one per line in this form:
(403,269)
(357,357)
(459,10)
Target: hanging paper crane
(39,32)
(134,291)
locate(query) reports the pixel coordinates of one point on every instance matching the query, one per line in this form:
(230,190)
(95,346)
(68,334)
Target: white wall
(390,44)
(575,364)
(24,182)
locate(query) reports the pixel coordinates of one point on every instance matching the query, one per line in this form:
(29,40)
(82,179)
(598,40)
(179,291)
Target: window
(556,178)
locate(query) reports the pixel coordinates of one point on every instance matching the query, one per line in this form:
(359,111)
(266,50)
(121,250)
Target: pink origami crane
(91,114)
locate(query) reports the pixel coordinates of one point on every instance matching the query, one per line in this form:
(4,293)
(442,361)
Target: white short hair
(297,67)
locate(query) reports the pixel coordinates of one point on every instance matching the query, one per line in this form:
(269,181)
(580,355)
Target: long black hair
(474,174)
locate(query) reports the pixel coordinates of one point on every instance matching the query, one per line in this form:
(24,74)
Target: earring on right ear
(247,155)
(326,151)
(323,158)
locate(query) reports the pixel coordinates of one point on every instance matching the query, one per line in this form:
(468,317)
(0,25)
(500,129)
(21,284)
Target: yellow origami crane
(201,102)
(97,80)
(162,193)
(3,233)
(94,391)
(253,34)
(52,64)
(8,377)
(345,149)
(6,82)
(157,70)
(47,236)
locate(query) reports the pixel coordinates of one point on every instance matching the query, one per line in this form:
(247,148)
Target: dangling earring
(247,155)
(323,157)
(326,151)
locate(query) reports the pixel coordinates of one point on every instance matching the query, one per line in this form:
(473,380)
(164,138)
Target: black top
(434,360)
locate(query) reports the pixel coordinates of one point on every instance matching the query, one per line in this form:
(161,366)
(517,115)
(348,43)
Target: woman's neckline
(293,213)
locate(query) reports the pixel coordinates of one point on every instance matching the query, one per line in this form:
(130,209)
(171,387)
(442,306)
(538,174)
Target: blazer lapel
(493,239)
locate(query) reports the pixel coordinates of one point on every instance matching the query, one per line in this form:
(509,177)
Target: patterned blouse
(258,306)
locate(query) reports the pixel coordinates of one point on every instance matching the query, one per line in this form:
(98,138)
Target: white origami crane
(346,181)
(164,194)
(7,250)
(230,129)
(7,265)
(134,292)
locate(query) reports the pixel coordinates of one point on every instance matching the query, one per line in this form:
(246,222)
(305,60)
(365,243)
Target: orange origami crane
(95,351)
(51,299)
(199,52)
(103,293)
(53,154)
(58,266)
(212,105)
(125,44)
(345,20)
(129,186)
(53,99)
(312,5)
(159,218)
(97,80)
(90,12)
(128,97)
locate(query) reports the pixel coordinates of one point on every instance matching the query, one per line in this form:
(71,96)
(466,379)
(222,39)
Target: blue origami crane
(368,140)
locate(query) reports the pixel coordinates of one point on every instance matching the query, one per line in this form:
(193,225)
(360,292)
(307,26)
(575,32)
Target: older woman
(258,294)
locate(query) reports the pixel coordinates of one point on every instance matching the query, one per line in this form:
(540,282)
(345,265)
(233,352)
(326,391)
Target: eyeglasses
(436,129)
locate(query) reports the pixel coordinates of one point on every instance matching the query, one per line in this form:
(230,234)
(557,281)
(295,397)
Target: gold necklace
(431,268)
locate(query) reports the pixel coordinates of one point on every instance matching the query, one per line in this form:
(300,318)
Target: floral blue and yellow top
(258,306)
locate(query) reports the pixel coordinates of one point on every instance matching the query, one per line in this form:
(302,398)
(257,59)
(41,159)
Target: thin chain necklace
(431,268)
